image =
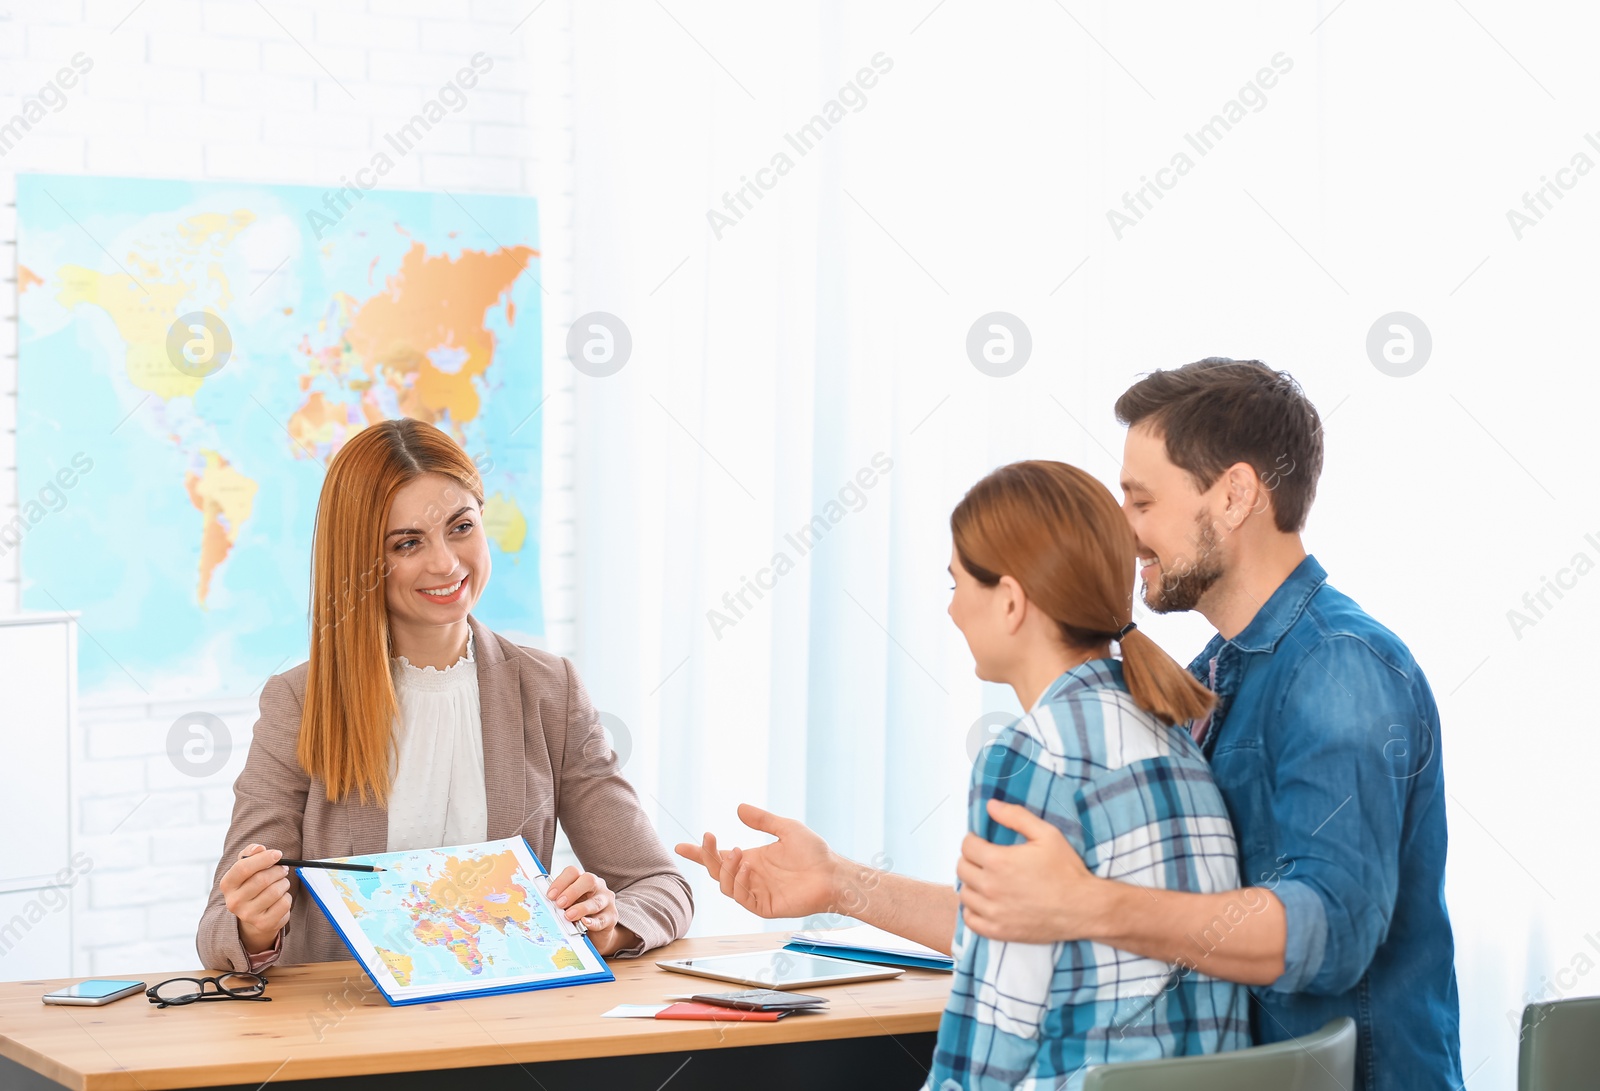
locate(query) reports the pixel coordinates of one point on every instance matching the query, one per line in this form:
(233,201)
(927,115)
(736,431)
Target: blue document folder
(864,954)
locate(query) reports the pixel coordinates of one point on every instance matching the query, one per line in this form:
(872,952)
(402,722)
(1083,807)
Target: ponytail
(1158,685)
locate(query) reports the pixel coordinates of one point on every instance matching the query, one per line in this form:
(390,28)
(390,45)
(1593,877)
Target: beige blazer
(544,758)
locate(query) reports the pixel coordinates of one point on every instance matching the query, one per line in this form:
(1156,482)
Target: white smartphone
(94,993)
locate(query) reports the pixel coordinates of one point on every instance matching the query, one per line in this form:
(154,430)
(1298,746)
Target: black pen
(330,865)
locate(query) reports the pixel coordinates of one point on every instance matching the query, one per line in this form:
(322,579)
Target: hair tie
(1126,629)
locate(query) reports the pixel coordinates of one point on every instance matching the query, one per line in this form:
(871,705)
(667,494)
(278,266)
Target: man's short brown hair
(1216,412)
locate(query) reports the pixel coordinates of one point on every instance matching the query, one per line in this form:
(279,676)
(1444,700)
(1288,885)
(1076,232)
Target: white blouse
(437,796)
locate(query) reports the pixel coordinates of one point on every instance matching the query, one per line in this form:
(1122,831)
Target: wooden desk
(327,1025)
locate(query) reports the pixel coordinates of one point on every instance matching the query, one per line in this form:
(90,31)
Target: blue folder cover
(863,954)
(379,978)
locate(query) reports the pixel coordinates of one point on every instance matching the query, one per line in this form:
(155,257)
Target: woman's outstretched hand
(794,876)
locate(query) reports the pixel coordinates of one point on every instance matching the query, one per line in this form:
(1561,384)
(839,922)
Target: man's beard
(1182,590)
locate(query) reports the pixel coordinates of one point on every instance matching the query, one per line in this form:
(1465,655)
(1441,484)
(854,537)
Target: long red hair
(347,722)
(1059,533)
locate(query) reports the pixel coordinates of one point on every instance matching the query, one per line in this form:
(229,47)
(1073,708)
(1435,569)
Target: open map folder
(468,920)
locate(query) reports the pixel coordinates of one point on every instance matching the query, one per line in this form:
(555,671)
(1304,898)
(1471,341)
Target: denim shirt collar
(1281,610)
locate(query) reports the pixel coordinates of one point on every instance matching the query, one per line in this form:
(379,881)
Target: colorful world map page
(466,920)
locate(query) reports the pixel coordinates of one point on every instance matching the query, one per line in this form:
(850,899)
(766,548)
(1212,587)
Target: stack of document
(864,943)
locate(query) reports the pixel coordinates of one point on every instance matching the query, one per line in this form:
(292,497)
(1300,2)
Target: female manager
(414,726)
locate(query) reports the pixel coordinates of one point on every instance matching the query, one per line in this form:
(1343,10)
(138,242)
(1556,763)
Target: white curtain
(774,357)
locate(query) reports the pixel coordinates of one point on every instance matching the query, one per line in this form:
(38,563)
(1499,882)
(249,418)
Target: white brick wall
(219,89)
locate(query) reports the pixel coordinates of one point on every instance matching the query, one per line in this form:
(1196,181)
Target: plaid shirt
(1136,799)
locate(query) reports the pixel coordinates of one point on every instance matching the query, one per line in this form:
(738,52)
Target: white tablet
(780,969)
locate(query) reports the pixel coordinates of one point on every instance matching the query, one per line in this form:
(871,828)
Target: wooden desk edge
(684,1036)
(44,1065)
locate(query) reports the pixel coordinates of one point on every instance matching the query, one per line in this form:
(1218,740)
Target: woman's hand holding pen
(256,891)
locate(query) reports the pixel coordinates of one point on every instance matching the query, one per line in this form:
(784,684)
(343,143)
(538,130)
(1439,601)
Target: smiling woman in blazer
(414,726)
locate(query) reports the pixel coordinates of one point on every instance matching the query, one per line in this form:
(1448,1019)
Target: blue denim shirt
(1325,744)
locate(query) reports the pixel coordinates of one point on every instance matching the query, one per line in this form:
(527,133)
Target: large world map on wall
(192,354)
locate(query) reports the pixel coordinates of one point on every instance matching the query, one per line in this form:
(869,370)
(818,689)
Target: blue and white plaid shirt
(1136,799)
